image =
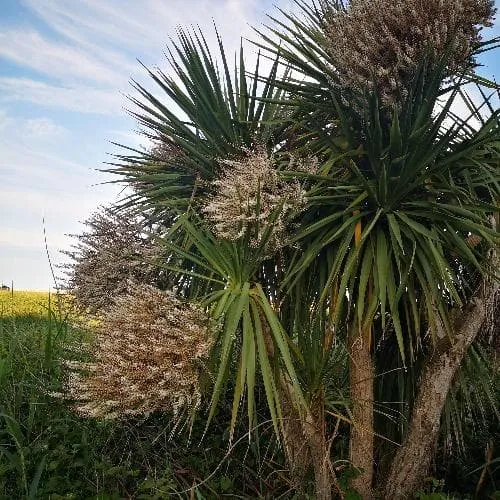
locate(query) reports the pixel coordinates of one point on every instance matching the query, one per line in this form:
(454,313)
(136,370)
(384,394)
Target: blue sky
(64,69)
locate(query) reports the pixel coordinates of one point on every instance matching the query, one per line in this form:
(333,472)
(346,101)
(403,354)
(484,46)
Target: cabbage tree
(328,201)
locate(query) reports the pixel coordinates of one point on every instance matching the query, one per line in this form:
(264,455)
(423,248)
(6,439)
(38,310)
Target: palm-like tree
(263,331)
(407,184)
(378,255)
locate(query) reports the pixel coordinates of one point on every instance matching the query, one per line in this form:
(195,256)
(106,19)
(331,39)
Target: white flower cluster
(382,42)
(250,198)
(112,251)
(148,356)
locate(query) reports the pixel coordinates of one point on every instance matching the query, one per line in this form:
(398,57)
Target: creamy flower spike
(148,356)
(250,198)
(382,42)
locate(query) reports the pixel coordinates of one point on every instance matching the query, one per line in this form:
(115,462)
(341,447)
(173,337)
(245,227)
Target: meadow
(45,450)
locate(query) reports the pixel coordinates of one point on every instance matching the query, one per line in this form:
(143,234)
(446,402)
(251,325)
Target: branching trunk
(361,372)
(412,461)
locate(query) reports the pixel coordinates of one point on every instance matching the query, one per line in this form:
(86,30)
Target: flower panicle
(148,357)
(381,43)
(250,198)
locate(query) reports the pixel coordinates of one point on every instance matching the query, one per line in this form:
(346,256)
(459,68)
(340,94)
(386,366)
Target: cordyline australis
(149,354)
(360,259)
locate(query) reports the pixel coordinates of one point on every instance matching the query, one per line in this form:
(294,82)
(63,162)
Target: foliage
(375,248)
(392,238)
(474,464)
(66,456)
(412,207)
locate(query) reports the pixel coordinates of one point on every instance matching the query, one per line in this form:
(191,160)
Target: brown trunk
(297,451)
(314,432)
(361,373)
(306,445)
(412,461)
(304,436)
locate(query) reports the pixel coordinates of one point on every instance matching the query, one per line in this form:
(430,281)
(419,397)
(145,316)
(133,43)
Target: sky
(65,70)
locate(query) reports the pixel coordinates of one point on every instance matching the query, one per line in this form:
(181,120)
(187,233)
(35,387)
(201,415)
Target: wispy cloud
(15,129)
(53,59)
(44,128)
(135,26)
(78,57)
(60,207)
(87,65)
(82,99)
(28,161)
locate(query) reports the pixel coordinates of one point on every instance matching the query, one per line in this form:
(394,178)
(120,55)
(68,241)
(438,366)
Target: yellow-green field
(26,303)
(22,303)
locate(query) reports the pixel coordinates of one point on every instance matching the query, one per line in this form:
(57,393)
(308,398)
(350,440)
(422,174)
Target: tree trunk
(297,453)
(361,372)
(304,436)
(314,432)
(412,461)
(306,445)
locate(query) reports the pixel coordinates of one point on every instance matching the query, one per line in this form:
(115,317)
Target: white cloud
(54,59)
(5,120)
(82,99)
(93,54)
(47,180)
(32,174)
(44,128)
(80,61)
(17,129)
(142,25)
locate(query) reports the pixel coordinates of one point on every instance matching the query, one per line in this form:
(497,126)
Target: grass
(48,452)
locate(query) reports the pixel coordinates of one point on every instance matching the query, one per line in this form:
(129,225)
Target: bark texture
(304,437)
(297,451)
(361,372)
(314,432)
(412,461)
(306,446)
